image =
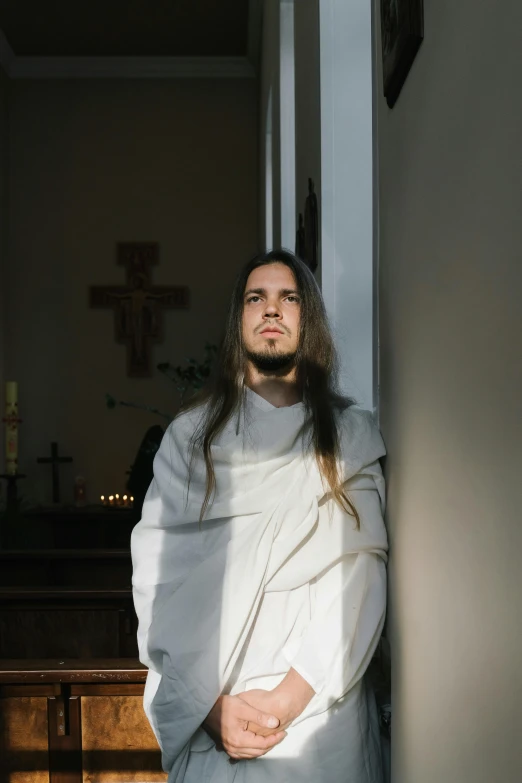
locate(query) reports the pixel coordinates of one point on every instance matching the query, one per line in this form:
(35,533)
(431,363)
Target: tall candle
(11,427)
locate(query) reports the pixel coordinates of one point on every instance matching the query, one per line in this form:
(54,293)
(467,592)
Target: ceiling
(126,28)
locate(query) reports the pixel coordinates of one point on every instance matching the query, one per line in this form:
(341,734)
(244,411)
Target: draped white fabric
(276,576)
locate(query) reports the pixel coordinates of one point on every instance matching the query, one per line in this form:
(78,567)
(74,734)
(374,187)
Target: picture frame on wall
(402,32)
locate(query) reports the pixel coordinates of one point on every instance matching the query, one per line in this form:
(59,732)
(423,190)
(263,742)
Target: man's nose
(272,310)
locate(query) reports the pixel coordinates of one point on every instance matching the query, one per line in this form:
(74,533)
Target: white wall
(451,385)
(93,163)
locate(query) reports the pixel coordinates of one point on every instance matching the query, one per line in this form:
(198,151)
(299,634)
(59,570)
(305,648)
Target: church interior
(148,148)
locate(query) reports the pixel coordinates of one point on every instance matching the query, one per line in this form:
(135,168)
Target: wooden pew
(92,567)
(67,622)
(68,603)
(70,684)
(70,721)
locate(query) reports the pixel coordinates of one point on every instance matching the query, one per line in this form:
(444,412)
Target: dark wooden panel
(73,528)
(49,632)
(33,673)
(24,755)
(23,689)
(65,567)
(126,750)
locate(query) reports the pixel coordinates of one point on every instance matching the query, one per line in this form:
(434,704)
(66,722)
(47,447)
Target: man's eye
(293,299)
(253,299)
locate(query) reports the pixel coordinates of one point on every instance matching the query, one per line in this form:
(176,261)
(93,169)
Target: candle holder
(11,505)
(117,501)
(12,489)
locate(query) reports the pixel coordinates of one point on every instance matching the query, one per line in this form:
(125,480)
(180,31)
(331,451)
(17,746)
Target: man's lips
(271,330)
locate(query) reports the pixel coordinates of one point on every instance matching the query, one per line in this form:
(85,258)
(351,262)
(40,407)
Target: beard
(271,361)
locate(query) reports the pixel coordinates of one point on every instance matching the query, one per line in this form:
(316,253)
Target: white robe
(276,576)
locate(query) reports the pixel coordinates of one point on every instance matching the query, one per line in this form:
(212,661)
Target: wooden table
(68,721)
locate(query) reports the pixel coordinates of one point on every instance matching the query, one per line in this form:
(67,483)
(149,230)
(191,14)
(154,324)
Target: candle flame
(102,498)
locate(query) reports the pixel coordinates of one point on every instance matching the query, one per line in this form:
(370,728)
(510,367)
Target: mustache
(281,327)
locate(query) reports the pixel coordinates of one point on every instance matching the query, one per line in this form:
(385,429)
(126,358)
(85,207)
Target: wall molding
(7,55)
(130,68)
(123,67)
(255,31)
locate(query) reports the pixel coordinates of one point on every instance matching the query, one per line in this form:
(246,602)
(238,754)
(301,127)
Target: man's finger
(248,713)
(254,741)
(259,729)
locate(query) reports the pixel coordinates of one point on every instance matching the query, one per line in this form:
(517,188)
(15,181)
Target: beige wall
(93,163)
(4,213)
(451,386)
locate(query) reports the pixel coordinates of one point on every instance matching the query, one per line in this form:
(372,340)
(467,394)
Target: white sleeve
(348,613)
(155,543)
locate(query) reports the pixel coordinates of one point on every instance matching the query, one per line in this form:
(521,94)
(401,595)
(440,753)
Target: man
(259,562)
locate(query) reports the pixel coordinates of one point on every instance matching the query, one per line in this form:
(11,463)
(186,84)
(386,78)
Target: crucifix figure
(136,306)
(55,461)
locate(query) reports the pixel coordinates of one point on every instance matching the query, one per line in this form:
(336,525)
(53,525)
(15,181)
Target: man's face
(271,317)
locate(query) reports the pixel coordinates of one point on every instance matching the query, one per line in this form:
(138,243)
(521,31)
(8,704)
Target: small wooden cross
(55,461)
(137,316)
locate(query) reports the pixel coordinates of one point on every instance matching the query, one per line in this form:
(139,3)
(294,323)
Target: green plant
(188,379)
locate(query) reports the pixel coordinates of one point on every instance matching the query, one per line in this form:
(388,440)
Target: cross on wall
(55,461)
(138,320)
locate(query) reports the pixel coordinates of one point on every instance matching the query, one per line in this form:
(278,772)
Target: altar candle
(11,427)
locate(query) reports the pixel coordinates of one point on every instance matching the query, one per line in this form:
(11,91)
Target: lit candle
(11,429)
(111,500)
(102,498)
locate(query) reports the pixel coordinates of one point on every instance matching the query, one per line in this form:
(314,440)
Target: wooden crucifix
(137,314)
(55,461)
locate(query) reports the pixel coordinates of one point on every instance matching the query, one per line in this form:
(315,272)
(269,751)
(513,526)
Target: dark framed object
(402,32)
(307,234)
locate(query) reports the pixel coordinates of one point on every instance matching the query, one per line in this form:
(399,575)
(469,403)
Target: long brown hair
(316,371)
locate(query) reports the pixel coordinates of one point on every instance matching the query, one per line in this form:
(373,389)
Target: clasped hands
(250,724)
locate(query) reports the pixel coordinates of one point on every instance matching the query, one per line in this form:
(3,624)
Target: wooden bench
(70,721)
(94,567)
(67,621)
(70,603)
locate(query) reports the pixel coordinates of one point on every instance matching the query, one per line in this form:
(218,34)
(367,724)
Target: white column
(287,120)
(347,202)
